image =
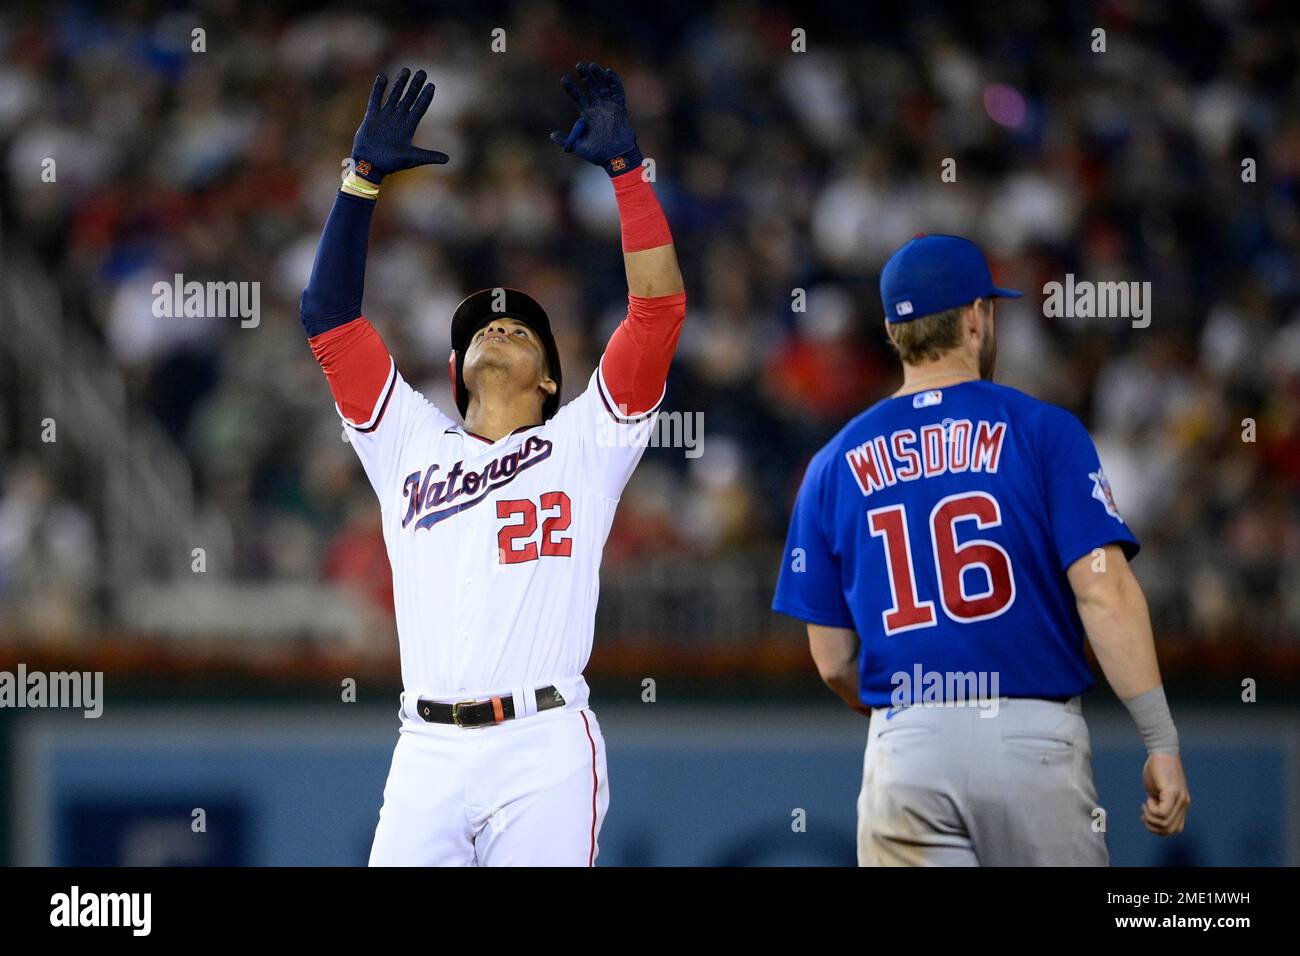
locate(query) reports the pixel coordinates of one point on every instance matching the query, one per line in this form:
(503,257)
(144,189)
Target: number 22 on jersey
(510,552)
(951,562)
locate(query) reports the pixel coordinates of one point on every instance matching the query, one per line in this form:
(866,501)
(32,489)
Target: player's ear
(547,385)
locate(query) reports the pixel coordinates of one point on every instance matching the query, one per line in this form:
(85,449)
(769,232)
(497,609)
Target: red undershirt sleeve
(359,370)
(634,368)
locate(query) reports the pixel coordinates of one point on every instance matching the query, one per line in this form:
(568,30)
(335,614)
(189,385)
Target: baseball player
(495,527)
(949,550)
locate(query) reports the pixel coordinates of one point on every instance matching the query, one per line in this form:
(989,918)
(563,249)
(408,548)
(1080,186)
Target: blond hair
(927,338)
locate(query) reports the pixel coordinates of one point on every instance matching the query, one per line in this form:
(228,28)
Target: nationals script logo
(464,489)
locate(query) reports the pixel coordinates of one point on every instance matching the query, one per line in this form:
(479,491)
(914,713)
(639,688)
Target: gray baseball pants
(980,786)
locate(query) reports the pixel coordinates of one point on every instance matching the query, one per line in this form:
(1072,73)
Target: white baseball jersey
(495,546)
(495,549)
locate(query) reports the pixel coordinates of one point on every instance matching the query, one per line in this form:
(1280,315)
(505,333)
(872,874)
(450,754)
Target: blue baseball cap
(934,273)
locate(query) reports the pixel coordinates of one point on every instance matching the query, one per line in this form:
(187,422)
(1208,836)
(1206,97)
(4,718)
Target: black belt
(480,713)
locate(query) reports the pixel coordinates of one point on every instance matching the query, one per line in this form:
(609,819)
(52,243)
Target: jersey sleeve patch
(1081,505)
(1101,491)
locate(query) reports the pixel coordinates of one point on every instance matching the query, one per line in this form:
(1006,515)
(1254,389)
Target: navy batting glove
(383,141)
(603,134)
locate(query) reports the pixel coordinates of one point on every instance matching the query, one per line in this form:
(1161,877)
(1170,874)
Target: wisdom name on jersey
(951,446)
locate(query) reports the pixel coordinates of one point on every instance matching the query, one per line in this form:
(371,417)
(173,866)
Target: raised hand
(603,134)
(383,144)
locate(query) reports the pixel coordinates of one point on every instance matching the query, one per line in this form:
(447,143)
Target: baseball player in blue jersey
(949,550)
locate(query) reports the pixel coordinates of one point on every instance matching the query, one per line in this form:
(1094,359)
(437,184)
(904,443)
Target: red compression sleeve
(635,365)
(642,219)
(359,370)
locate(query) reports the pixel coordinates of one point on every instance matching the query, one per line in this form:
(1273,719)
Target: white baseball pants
(526,792)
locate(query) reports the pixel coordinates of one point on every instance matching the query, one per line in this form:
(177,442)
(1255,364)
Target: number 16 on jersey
(955,564)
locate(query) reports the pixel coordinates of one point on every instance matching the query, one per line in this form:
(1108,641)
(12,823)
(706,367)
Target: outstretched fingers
(412,91)
(399,86)
(614,86)
(424,157)
(594,76)
(576,93)
(598,84)
(422,103)
(598,94)
(575,134)
(377,93)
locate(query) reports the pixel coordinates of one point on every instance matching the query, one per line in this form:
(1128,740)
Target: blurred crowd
(788,173)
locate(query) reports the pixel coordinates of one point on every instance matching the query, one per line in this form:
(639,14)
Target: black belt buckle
(471,713)
(455,713)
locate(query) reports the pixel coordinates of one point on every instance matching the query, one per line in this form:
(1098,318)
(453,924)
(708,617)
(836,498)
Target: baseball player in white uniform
(495,527)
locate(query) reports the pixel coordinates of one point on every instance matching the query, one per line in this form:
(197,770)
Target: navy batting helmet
(484,305)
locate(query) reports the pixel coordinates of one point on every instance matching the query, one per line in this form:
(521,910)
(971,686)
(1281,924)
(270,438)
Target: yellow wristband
(361,187)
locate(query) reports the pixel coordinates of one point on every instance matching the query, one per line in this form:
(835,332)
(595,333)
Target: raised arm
(354,359)
(636,360)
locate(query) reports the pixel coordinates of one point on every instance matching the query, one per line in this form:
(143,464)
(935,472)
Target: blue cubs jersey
(939,526)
